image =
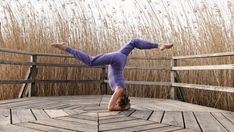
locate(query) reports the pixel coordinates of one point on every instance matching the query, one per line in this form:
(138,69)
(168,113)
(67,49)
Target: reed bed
(195,27)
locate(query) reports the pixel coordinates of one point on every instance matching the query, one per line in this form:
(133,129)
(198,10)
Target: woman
(116,62)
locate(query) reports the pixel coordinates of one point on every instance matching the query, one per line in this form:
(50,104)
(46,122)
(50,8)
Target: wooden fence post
(103,85)
(32,90)
(173,92)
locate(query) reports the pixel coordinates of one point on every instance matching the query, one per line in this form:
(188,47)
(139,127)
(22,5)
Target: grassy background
(195,27)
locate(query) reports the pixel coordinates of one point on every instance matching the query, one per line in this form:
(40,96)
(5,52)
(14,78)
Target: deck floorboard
(89,113)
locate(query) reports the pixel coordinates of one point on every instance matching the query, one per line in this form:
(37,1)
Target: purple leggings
(116,60)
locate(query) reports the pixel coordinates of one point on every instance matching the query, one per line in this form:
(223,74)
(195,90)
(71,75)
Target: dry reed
(103,26)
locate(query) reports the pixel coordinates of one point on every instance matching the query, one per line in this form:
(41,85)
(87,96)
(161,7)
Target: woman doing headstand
(116,62)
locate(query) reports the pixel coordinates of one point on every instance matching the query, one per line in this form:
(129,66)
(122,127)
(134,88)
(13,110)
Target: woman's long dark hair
(123,101)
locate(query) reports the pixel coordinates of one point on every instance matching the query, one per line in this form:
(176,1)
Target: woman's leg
(103,59)
(137,43)
(143,44)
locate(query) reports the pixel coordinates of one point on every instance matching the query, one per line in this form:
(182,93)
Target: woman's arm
(113,102)
(114,98)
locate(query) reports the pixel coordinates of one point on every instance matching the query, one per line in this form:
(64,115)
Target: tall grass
(195,27)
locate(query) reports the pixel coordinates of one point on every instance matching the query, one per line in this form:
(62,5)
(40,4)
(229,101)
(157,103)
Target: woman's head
(123,102)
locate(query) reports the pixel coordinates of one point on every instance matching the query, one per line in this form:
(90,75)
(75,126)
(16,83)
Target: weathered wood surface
(205,67)
(204,55)
(145,83)
(89,113)
(204,87)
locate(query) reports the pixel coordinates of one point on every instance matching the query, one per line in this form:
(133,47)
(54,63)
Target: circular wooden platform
(89,113)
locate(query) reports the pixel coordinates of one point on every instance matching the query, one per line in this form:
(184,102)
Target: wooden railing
(28,84)
(176,68)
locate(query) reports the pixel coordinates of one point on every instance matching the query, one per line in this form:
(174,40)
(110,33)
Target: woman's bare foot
(163,46)
(61,46)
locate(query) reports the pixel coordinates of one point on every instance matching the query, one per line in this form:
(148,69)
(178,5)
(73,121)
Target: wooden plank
(16,62)
(22,115)
(124,124)
(227,124)
(73,112)
(33,53)
(148,68)
(25,87)
(32,89)
(157,116)
(107,114)
(141,114)
(41,105)
(72,107)
(58,106)
(173,93)
(66,65)
(68,125)
(15,81)
(67,81)
(229,116)
(91,114)
(208,123)
(15,51)
(40,114)
(186,130)
(10,101)
(14,128)
(139,106)
(85,117)
(127,113)
(145,83)
(204,87)
(78,120)
(164,129)
(205,67)
(204,55)
(148,83)
(56,113)
(5,117)
(26,105)
(43,127)
(139,128)
(111,117)
(173,118)
(190,121)
(151,58)
(170,105)
(96,108)
(21,104)
(115,119)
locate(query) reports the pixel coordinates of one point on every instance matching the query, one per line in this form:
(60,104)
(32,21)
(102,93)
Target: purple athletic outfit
(116,60)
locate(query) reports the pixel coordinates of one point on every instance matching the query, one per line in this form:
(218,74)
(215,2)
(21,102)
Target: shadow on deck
(89,113)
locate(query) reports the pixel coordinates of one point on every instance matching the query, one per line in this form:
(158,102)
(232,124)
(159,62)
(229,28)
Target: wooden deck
(89,113)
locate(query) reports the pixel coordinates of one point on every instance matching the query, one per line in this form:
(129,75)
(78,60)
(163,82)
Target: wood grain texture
(89,113)
(208,123)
